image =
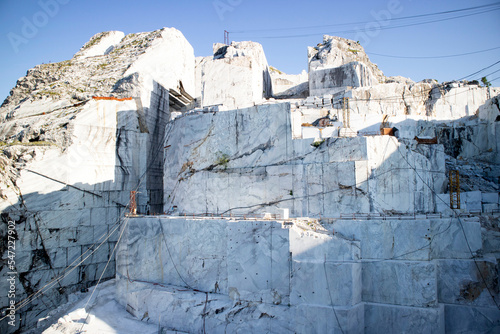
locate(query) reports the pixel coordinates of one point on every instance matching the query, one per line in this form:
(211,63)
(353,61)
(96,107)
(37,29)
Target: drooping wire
(378,28)
(364,22)
(330,294)
(155,154)
(462,228)
(486,75)
(115,227)
(432,57)
(477,72)
(102,274)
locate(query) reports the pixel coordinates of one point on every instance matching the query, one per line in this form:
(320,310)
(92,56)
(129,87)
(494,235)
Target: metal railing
(342,216)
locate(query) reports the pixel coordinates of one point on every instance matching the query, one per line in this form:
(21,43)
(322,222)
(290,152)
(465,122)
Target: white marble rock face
(370,274)
(242,153)
(237,76)
(247,267)
(245,161)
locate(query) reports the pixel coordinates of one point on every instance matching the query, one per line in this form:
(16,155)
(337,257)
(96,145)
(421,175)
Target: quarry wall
(245,161)
(77,137)
(66,204)
(352,276)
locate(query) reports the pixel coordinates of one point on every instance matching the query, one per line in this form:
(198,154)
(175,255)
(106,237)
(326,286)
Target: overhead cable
(477,72)
(378,28)
(432,57)
(365,22)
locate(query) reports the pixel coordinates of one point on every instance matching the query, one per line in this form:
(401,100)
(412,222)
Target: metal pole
(133,203)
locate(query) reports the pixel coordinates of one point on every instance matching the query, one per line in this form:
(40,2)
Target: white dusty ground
(103,315)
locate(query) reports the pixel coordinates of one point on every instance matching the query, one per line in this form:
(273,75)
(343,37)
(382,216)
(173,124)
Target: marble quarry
(265,202)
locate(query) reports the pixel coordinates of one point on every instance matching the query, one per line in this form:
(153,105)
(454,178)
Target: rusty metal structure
(133,203)
(454,189)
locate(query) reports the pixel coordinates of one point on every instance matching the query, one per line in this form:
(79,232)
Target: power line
(330,294)
(364,22)
(379,28)
(433,57)
(71,267)
(498,62)
(491,73)
(461,226)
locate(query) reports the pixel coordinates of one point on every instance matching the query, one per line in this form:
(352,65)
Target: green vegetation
(222,159)
(275,69)
(485,82)
(33,143)
(93,41)
(318,143)
(121,48)
(64,64)
(130,36)
(50,93)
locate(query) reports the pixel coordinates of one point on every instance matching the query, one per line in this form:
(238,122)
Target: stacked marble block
(86,190)
(257,275)
(422,271)
(470,201)
(236,76)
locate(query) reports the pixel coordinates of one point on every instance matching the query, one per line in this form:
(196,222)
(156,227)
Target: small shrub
(318,143)
(485,82)
(222,160)
(33,143)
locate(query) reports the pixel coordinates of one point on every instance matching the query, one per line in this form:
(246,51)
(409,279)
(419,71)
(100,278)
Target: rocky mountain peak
(100,44)
(94,70)
(337,51)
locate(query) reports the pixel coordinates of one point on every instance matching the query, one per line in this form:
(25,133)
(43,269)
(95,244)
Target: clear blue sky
(282,27)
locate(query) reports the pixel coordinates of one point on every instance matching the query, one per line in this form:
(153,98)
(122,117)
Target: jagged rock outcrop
(94,72)
(236,76)
(286,86)
(338,63)
(101,44)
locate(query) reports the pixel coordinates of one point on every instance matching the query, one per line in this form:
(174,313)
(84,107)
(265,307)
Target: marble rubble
(228,135)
